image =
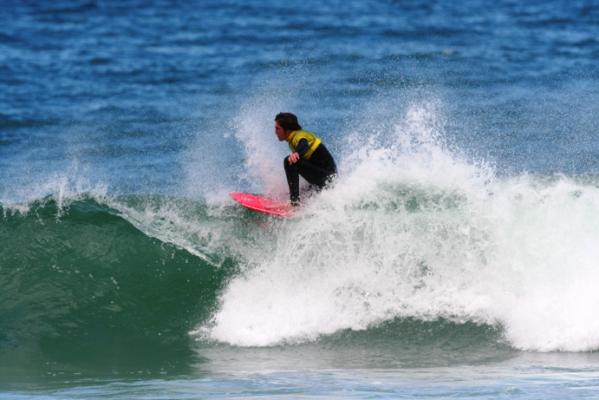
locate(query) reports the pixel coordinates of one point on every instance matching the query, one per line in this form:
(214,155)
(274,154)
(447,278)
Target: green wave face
(402,276)
(82,286)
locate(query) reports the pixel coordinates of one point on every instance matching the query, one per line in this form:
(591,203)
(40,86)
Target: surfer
(309,157)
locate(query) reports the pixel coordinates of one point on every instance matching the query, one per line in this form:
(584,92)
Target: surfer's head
(285,122)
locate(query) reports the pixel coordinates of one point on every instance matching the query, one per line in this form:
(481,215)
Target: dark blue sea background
(455,256)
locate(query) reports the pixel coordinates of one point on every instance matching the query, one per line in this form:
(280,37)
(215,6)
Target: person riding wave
(309,156)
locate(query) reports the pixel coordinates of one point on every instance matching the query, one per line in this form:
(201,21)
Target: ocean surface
(456,255)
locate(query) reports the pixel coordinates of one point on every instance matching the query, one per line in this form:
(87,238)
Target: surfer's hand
(293,157)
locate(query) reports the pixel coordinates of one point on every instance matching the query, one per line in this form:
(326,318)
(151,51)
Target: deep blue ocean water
(455,256)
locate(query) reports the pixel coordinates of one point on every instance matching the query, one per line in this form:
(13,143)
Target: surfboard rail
(263,204)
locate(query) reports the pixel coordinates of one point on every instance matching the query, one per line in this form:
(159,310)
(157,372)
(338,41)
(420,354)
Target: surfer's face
(281,134)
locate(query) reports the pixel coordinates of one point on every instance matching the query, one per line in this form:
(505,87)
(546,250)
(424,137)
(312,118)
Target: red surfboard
(263,204)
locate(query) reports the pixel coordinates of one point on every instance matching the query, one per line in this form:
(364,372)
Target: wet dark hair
(288,121)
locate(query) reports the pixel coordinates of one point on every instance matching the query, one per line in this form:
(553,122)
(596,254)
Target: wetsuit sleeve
(302,147)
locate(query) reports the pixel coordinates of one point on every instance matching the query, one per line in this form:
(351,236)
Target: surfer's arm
(301,149)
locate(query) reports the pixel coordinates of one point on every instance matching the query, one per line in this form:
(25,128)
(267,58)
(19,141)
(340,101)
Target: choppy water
(454,257)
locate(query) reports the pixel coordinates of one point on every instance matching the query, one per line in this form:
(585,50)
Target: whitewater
(414,230)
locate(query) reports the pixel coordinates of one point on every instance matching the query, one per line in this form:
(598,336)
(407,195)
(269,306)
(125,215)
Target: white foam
(414,229)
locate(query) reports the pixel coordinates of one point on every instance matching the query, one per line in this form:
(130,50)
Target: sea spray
(415,230)
(364,251)
(240,151)
(254,127)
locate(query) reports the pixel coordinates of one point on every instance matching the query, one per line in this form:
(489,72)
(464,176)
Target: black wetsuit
(318,170)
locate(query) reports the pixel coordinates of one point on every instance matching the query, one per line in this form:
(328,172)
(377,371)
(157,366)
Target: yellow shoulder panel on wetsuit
(313,142)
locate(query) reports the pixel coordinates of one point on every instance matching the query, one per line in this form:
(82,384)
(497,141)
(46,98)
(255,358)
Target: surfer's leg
(292,173)
(314,174)
(318,173)
(320,169)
